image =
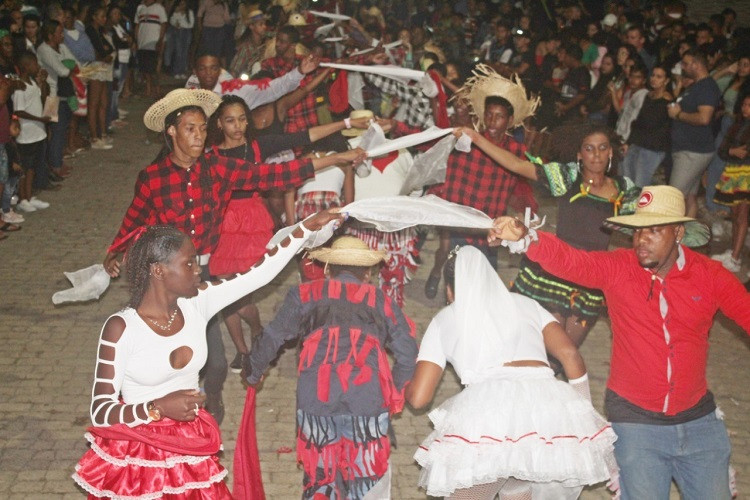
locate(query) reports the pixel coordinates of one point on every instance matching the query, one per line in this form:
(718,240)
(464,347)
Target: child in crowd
(9,153)
(28,105)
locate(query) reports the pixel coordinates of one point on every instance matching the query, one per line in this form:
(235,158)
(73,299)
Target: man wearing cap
(662,298)
(189,189)
(250,46)
(346,390)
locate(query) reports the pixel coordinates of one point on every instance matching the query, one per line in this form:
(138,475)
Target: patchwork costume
(346,388)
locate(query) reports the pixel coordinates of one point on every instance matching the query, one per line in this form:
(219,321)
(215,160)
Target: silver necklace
(169,323)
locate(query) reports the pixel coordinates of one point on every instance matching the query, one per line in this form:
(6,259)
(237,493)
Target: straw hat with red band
(659,206)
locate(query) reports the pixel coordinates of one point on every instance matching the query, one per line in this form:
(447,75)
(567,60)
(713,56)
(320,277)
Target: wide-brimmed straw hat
(256,15)
(486,82)
(179,98)
(659,206)
(357,113)
(348,251)
(297,19)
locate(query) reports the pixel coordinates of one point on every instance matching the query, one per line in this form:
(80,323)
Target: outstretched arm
(505,158)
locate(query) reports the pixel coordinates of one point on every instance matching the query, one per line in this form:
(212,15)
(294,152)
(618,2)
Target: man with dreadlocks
(346,388)
(190,190)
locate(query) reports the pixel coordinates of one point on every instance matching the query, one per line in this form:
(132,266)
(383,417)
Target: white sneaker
(26,206)
(12,217)
(38,204)
(14,200)
(100,144)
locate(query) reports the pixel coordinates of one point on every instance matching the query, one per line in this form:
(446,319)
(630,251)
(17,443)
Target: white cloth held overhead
(408,141)
(430,166)
(88,284)
(329,15)
(395,72)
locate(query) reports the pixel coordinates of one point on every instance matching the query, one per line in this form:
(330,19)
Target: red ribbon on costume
(441,118)
(338,93)
(248,484)
(236,83)
(135,234)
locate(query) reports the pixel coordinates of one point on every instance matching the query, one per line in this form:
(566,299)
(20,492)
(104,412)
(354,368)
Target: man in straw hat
(190,190)
(474,179)
(662,297)
(346,389)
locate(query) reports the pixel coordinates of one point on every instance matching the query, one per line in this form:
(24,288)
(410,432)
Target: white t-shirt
(386,183)
(330,179)
(149,20)
(30,100)
(440,340)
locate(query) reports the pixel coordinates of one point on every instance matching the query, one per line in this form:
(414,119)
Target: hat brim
(348,257)
(696,234)
(647,220)
(353,132)
(158,112)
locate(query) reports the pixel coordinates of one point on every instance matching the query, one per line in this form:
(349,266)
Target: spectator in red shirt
(662,298)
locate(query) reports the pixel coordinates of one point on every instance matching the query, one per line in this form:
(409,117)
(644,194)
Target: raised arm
(292,99)
(256,94)
(505,158)
(214,298)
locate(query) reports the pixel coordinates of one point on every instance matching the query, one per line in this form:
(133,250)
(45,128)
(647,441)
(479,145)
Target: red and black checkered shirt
(476,180)
(303,115)
(194,199)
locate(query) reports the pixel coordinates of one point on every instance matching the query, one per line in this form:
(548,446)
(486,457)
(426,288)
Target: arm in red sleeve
(590,269)
(244,175)
(139,213)
(733,298)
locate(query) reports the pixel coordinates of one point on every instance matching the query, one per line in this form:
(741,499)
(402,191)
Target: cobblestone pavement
(47,353)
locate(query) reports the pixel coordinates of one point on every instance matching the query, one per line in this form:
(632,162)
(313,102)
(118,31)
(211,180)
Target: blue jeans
(694,454)
(716,167)
(176,55)
(59,134)
(640,164)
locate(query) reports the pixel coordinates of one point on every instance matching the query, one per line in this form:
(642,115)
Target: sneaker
(236,364)
(38,204)
(12,217)
(100,144)
(14,200)
(26,206)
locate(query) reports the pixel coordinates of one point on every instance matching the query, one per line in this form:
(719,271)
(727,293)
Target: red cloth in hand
(248,483)
(338,94)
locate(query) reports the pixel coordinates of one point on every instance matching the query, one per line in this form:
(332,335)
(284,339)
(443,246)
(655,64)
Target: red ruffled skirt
(246,229)
(165,459)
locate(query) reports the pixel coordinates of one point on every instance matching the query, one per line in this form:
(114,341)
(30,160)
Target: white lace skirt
(524,424)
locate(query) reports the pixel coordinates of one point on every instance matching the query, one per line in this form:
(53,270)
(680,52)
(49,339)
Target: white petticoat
(522,423)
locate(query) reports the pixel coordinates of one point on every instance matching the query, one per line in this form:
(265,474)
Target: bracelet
(348,122)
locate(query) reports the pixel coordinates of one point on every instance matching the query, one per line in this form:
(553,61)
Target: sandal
(7,227)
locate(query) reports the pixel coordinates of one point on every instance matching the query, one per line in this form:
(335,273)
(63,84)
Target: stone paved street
(47,353)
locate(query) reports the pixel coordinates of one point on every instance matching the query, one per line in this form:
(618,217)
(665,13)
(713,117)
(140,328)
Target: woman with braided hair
(151,435)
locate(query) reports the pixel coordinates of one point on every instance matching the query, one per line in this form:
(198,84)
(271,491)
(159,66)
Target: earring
(579,166)
(609,166)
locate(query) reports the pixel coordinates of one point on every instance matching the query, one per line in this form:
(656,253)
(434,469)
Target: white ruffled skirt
(523,424)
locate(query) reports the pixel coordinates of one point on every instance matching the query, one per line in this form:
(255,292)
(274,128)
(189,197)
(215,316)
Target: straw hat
(256,15)
(179,98)
(486,82)
(357,113)
(658,206)
(348,251)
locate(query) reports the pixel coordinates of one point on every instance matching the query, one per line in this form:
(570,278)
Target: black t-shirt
(578,81)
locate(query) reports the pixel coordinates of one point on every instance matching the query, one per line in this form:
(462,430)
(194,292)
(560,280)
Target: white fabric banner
(329,15)
(395,72)
(408,141)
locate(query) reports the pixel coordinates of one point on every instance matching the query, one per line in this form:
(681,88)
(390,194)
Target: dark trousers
(215,370)
(33,157)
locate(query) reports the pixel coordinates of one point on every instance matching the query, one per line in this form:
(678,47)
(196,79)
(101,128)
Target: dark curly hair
(157,244)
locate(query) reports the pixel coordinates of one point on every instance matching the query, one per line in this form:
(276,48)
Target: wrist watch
(153,412)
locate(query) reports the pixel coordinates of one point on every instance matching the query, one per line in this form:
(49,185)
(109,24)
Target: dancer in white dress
(514,430)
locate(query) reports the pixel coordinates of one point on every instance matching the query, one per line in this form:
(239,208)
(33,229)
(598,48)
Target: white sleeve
(106,408)
(278,87)
(162,14)
(138,13)
(544,317)
(216,297)
(19,100)
(431,348)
